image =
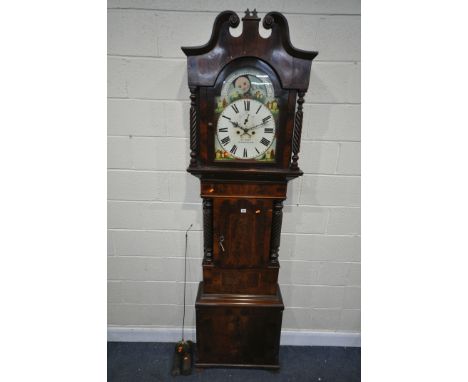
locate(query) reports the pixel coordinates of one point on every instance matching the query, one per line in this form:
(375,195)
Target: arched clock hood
(208,65)
(292,65)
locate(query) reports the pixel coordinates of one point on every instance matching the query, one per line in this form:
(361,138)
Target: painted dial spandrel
(247,117)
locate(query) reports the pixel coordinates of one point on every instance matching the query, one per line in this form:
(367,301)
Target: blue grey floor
(146,361)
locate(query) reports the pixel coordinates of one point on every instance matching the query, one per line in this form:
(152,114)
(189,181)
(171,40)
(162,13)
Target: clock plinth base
(238,330)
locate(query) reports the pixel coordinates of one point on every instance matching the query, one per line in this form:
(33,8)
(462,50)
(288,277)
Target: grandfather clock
(245,130)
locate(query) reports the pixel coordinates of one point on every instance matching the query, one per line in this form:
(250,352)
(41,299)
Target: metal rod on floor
(185,278)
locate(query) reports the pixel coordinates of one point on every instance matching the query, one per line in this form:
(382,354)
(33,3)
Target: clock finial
(251,15)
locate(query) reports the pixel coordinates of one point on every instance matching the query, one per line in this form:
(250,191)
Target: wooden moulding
(265,190)
(262,281)
(276,174)
(238,299)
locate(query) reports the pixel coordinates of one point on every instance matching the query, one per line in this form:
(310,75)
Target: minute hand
(260,124)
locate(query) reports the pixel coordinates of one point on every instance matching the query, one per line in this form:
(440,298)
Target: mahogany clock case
(239,305)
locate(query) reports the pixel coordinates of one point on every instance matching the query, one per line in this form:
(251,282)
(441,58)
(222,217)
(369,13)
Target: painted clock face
(247,117)
(246,129)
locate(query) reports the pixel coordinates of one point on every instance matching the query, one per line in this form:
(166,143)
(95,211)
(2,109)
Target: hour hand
(235,124)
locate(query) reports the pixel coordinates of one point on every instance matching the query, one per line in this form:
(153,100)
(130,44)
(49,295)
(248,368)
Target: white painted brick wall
(152,200)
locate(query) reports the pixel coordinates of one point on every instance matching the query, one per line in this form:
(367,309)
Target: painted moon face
(248,80)
(242,84)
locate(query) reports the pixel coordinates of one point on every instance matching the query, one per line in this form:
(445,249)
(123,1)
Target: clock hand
(246,120)
(245,130)
(256,126)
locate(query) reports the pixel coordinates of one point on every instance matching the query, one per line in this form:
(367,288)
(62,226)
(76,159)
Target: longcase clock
(245,130)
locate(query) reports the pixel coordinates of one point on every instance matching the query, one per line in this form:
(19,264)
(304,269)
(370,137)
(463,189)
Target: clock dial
(247,115)
(246,129)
